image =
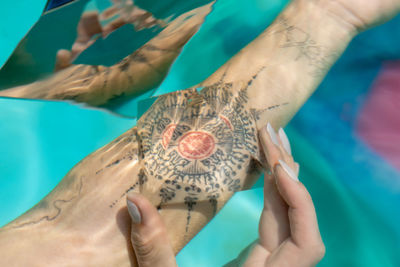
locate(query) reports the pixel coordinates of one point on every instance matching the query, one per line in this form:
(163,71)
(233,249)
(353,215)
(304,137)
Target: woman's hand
(289,234)
(148,234)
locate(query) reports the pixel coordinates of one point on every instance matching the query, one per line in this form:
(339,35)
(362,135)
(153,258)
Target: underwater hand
(288,229)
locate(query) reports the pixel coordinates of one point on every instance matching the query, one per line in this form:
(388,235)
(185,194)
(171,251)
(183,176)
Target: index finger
(302,217)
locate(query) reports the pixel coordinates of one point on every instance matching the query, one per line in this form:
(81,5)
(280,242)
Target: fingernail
(272,134)
(285,141)
(288,170)
(134,212)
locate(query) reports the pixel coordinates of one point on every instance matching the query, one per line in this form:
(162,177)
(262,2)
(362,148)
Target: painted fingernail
(133,212)
(288,170)
(272,134)
(285,141)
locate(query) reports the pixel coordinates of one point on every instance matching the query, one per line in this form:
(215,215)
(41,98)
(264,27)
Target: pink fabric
(379,119)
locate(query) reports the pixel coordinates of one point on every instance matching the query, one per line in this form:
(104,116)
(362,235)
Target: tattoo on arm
(55,206)
(256,113)
(318,57)
(199,146)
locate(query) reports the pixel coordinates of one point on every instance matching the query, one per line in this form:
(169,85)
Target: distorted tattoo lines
(56,204)
(130,155)
(142,178)
(139,56)
(257,113)
(151,47)
(317,56)
(195,145)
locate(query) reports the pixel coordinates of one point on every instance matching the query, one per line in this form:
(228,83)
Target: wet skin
(188,154)
(142,70)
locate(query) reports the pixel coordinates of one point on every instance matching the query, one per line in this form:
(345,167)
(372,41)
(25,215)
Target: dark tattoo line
(47,217)
(317,56)
(142,179)
(216,114)
(128,156)
(256,113)
(151,47)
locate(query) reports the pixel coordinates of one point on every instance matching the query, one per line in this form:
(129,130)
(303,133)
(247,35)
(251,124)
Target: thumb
(148,234)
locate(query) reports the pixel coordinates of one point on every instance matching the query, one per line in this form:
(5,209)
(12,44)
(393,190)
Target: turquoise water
(16,19)
(358,213)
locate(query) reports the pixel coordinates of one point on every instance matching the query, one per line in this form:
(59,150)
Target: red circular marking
(196,145)
(167,135)
(226,120)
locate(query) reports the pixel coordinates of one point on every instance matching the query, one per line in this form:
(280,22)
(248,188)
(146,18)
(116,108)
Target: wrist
(344,17)
(323,18)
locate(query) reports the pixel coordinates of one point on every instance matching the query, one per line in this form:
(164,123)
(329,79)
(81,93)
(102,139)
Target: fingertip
(285,141)
(140,209)
(133,211)
(297,168)
(288,185)
(289,171)
(63,59)
(271,150)
(272,134)
(132,196)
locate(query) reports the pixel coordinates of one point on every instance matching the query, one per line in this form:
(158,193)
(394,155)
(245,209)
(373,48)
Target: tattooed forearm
(198,146)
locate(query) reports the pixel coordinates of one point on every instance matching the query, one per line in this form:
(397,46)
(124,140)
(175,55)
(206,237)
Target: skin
(89,28)
(96,85)
(214,141)
(288,229)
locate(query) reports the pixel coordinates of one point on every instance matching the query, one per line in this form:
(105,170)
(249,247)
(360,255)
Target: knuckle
(306,194)
(145,244)
(318,250)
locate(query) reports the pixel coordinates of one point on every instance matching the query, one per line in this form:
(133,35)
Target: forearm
(277,72)
(287,62)
(269,80)
(190,181)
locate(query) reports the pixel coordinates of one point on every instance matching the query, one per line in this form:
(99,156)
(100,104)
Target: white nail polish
(288,170)
(134,212)
(297,169)
(285,141)
(272,134)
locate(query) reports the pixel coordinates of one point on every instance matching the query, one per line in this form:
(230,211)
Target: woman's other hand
(148,234)
(289,234)
(288,229)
